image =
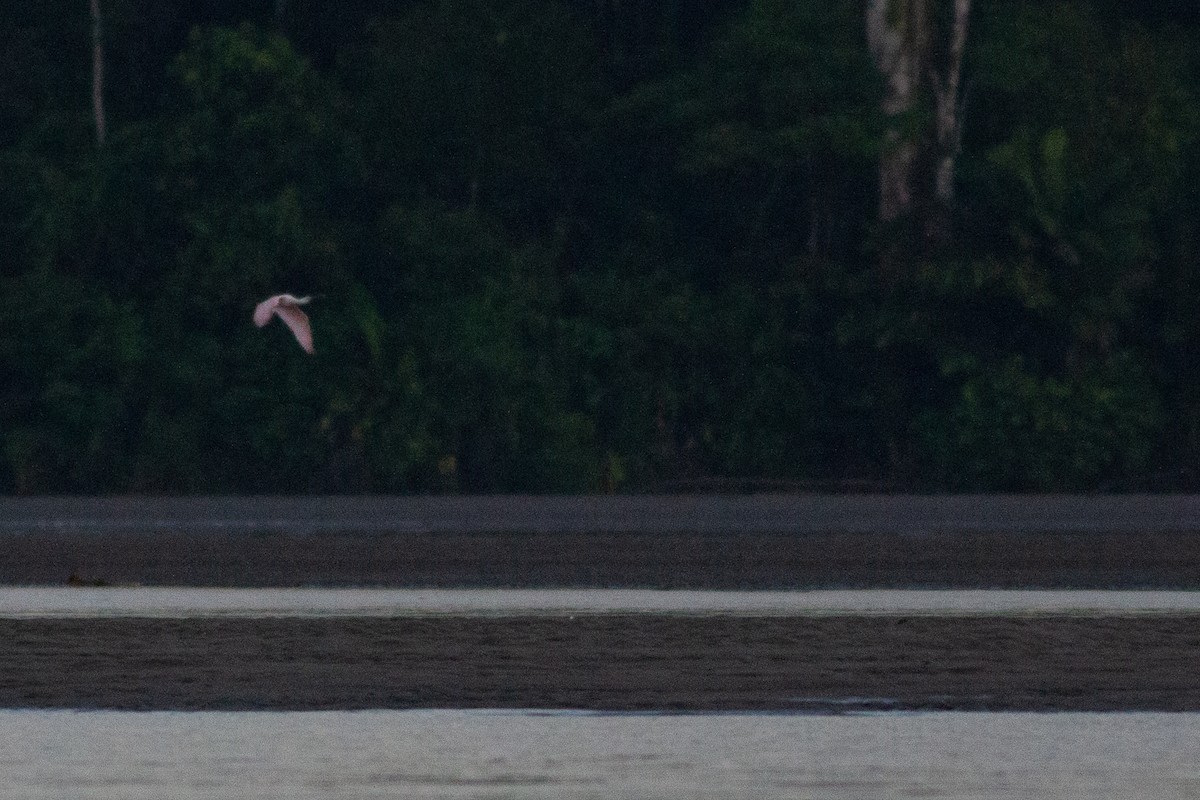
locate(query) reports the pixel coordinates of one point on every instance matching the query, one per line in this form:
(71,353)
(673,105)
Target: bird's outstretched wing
(297,320)
(288,310)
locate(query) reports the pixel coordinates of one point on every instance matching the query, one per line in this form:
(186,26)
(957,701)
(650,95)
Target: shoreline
(764,513)
(620,541)
(600,560)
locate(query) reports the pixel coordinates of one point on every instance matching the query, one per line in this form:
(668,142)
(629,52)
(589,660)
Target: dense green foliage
(589,246)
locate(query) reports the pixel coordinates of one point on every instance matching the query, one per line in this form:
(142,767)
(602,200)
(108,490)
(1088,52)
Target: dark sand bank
(913,515)
(668,560)
(617,662)
(745,542)
(605,662)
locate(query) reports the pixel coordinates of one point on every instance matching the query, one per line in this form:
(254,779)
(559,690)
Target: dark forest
(717,245)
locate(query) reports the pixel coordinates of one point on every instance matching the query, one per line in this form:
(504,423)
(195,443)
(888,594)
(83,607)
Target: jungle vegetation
(600,246)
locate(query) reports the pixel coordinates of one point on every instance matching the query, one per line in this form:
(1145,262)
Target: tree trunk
(948,105)
(896,31)
(98,73)
(919,64)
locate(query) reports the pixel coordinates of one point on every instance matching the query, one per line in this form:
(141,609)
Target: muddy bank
(660,541)
(609,662)
(646,560)
(913,515)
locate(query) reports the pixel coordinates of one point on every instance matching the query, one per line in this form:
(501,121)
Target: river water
(18,602)
(573,755)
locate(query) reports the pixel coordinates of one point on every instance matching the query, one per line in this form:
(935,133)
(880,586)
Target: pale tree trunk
(948,111)
(98,74)
(896,33)
(918,64)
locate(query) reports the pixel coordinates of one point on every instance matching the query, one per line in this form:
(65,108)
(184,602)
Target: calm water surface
(570,755)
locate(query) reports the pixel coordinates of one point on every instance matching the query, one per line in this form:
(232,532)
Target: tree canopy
(565,246)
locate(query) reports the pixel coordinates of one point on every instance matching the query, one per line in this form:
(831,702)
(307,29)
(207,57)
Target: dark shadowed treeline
(577,246)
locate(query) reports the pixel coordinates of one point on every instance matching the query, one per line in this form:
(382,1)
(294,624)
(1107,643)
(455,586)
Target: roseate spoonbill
(287,308)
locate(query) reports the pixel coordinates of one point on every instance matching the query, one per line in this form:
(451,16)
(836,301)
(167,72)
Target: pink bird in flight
(287,308)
